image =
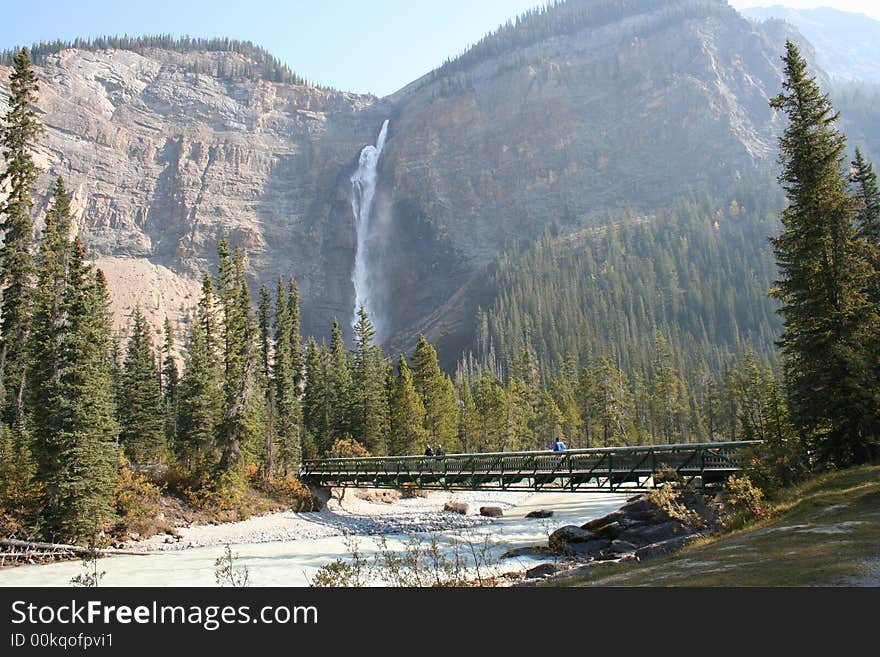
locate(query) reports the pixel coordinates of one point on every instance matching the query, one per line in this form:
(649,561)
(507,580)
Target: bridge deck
(597,469)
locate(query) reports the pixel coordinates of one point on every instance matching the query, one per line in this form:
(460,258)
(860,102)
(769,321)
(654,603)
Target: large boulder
(540,513)
(647,534)
(609,531)
(603,521)
(564,536)
(642,508)
(491,511)
(622,547)
(456,507)
(592,548)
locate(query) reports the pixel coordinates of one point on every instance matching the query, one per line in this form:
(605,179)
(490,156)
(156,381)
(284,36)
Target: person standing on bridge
(439,452)
(429,451)
(559,446)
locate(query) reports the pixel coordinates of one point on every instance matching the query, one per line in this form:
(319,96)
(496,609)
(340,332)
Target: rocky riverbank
(360,512)
(647,526)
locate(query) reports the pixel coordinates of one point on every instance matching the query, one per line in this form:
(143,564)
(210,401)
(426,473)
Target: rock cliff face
(630,112)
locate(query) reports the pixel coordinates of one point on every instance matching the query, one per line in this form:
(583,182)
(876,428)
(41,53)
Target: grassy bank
(825,532)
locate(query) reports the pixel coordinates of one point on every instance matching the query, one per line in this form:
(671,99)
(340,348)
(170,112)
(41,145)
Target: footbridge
(607,469)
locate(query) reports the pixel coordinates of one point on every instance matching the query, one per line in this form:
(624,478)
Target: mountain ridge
(163,155)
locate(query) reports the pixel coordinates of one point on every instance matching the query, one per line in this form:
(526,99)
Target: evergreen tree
(438,395)
(244,411)
(407,414)
(340,385)
(141,409)
(317,398)
(294,336)
(667,400)
(864,179)
(79,483)
(45,342)
(200,401)
(370,409)
(18,135)
(287,376)
(824,267)
(47,334)
(610,403)
(170,384)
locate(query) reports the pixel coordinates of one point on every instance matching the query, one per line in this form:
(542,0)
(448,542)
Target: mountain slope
(586,107)
(847,44)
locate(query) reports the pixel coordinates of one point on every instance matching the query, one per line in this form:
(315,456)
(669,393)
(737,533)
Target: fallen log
(60,548)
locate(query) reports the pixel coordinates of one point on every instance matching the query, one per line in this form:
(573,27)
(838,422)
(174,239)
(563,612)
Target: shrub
(669,500)
(347,447)
(743,502)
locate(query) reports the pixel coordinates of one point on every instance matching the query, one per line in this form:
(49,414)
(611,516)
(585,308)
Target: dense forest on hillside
(263,65)
(697,272)
(561,17)
(859,106)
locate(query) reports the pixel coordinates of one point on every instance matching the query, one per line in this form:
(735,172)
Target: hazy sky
(356,45)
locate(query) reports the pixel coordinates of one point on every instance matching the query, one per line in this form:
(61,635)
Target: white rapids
(295,562)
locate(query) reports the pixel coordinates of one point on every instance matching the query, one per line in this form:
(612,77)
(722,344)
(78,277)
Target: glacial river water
(294,563)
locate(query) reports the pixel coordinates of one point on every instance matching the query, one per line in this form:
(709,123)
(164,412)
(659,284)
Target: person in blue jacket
(559,446)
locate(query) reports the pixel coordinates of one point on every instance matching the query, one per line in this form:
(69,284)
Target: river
(295,562)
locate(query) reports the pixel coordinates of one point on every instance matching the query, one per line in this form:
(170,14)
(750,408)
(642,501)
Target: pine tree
(79,482)
(200,402)
(340,385)
(48,329)
(289,411)
(170,384)
(317,400)
(294,336)
(370,408)
(864,179)
(438,395)
(18,135)
(667,398)
(824,268)
(407,414)
(141,409)
(244,410)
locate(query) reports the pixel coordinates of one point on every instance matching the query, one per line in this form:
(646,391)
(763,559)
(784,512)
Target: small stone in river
(491,511)
(543,569)
(540,513)
(456,507)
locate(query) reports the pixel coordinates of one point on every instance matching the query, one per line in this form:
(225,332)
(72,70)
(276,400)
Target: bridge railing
(637,458)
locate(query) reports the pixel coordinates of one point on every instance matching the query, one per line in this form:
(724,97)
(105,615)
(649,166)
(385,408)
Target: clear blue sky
(366,46)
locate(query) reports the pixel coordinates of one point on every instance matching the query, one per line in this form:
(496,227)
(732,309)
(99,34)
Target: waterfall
(363,187)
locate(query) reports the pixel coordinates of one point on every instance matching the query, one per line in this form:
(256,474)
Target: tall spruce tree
(200,401)
(170,383)
(317,399)
(438,395)
(824,267)
(407,421)
(141,409)
(864,179)
(370,408)
(79,483)
(18,134)
(340,384)
(48,329)
(244,410)
(287,350)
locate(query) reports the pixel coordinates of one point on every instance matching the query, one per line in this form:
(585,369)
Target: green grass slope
(825,532)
